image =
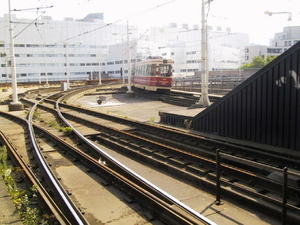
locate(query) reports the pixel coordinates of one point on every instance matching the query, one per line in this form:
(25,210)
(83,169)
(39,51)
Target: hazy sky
(241,15)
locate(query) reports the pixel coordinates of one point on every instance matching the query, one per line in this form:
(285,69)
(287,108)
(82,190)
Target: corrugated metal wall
(265,108)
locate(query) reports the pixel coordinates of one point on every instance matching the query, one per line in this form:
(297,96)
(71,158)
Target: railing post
(284,195)
(218,174)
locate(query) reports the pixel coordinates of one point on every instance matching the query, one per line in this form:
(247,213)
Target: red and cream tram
(153,74)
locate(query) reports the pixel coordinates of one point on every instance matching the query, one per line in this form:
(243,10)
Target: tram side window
(148,71)
(152,71)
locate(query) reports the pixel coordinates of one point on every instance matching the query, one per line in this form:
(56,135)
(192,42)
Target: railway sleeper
(147,151)
(292,180)
(162,156)
(205,151)
(197,170)
(178,162)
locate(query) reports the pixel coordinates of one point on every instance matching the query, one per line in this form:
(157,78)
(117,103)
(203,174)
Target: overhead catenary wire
(117,21)
(29,25)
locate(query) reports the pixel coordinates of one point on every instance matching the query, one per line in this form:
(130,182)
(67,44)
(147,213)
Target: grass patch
(53,124)
(36,115)
(22,199)
(66,130)
(152,120)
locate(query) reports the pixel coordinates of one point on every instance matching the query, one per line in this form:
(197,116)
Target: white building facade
(279,44)
(49,50)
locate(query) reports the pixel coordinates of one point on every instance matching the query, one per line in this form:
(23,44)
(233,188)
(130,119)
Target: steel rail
(211,165)
(129,171)
(33,181)
(73,213)
(196,158)
(217,144)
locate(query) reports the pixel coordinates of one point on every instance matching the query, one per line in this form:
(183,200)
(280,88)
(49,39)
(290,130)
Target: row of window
(193,61)
(52,46)
(274,50)
(165,54)
(116,72)
(188,70)
(53,64)
(43,74)
(290,43)
(55,55)
(191,53)
(120,62)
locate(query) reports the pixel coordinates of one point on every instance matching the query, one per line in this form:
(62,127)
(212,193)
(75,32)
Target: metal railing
(284,172)
(215,86)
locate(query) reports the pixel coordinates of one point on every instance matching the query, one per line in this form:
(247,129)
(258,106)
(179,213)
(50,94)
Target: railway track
(159,204)
(52,198)
(193,157)
(189,157)
(175,97)
(167,208)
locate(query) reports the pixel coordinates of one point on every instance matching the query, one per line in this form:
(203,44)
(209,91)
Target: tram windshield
(165,70)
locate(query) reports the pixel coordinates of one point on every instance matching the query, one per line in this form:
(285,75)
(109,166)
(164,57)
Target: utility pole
(129,93)
(15,105)
(67,64)
(204,100)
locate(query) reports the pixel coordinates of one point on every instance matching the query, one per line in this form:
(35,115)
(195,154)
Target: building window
(33,74)
(21,65)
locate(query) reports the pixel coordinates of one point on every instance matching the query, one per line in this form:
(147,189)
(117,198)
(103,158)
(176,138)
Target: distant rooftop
(93,16)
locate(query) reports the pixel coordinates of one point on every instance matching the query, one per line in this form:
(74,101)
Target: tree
(258,62)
